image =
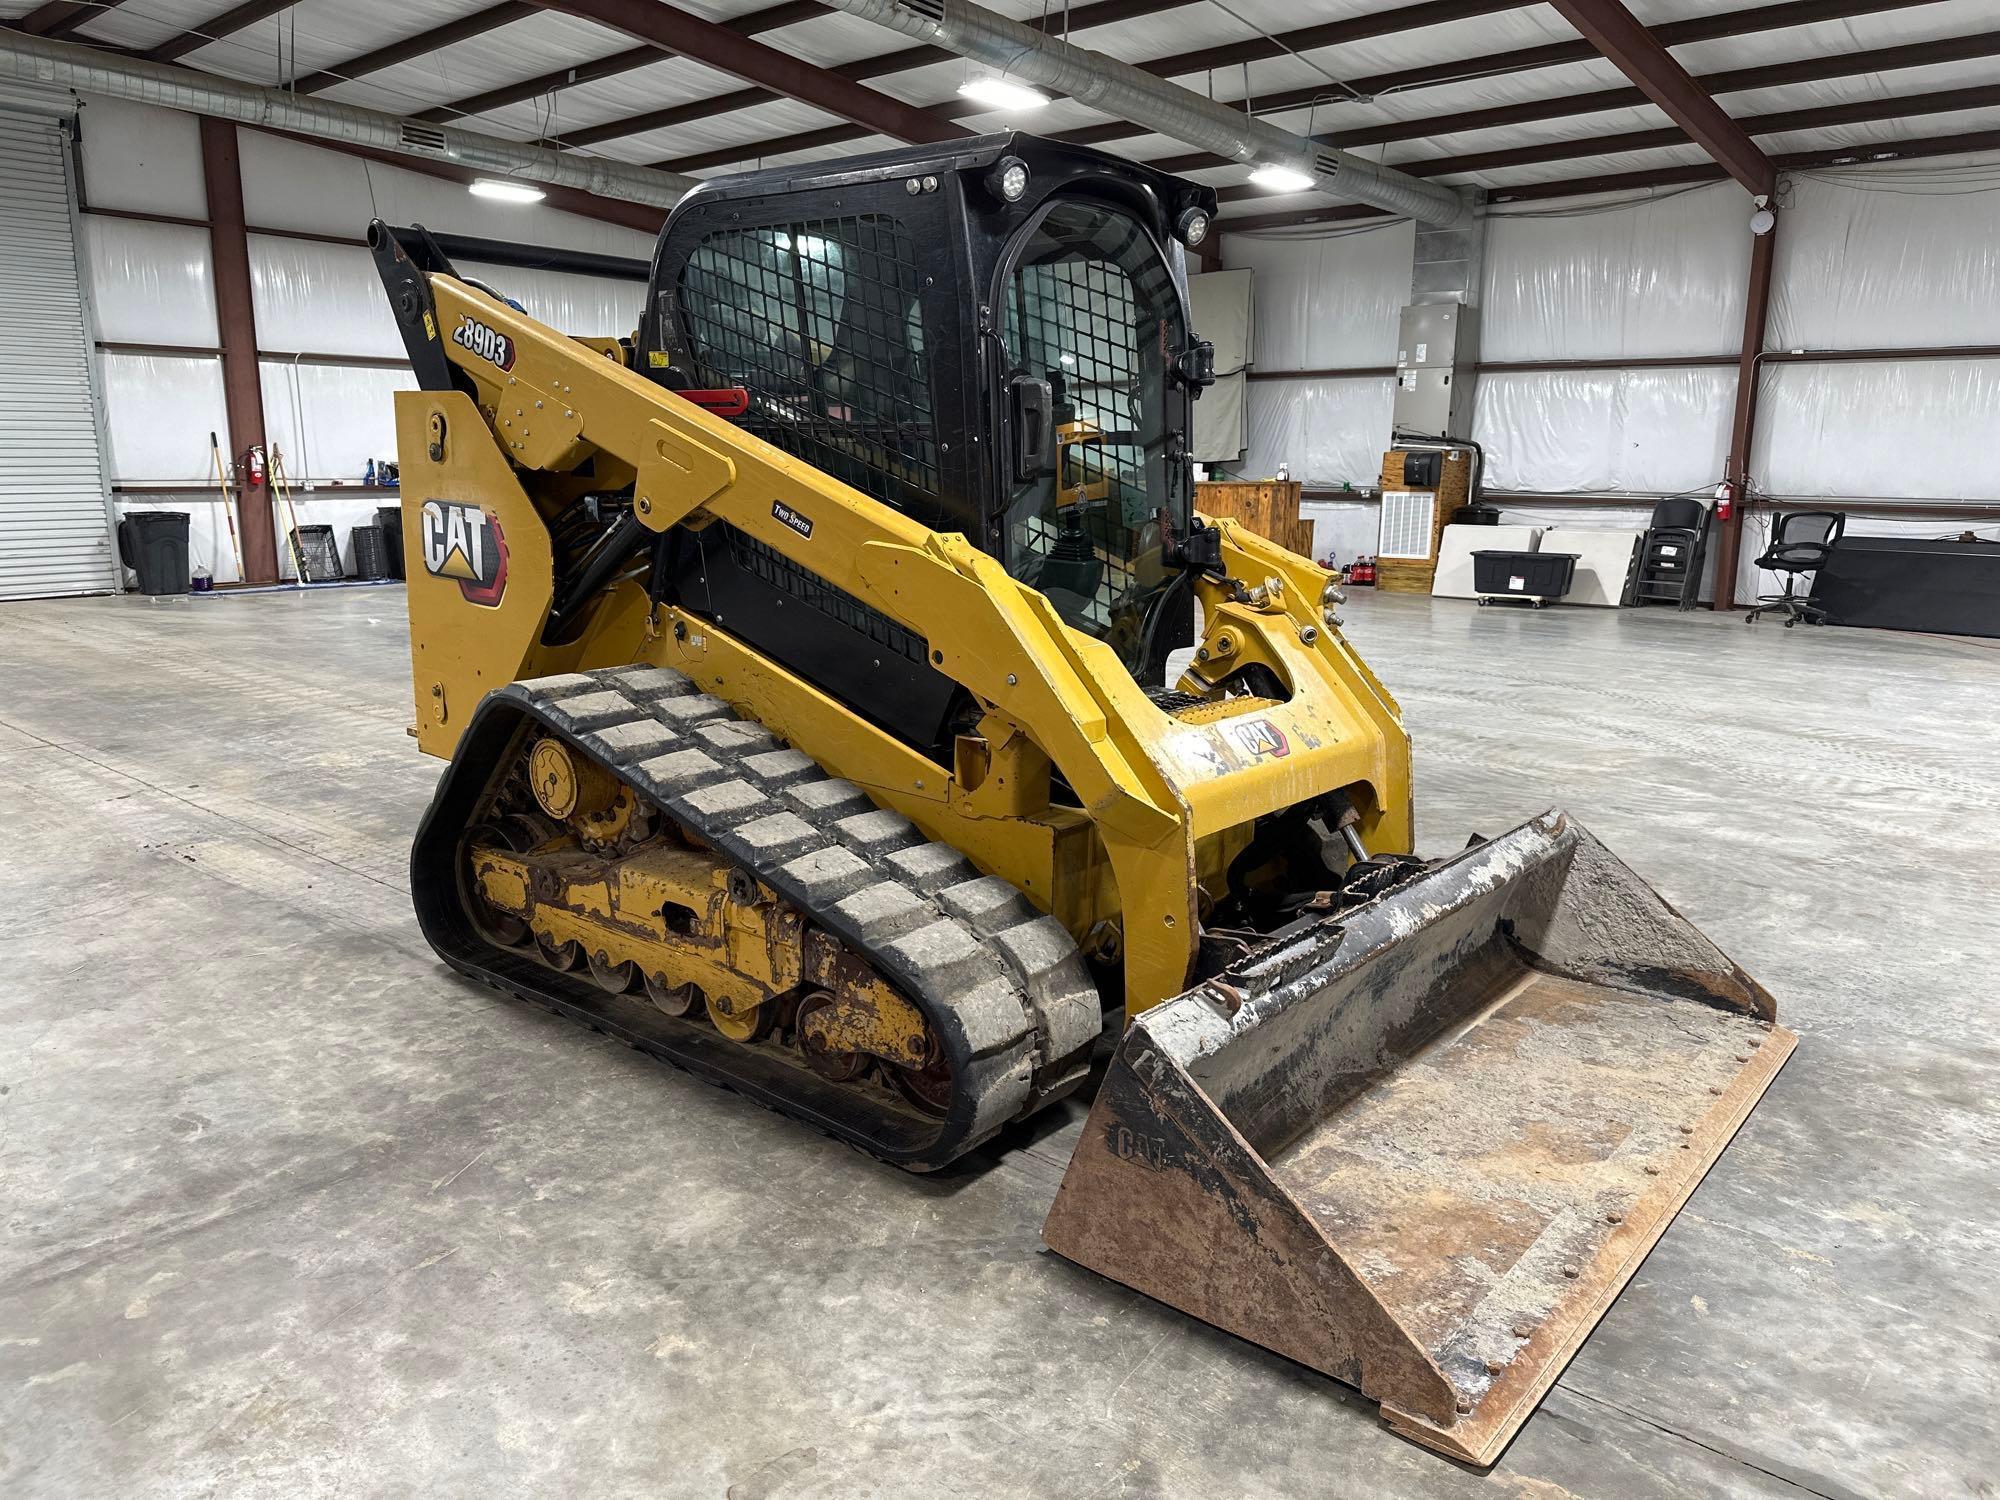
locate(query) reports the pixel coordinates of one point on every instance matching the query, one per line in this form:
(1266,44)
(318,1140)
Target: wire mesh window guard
(1092,310)
(821,322)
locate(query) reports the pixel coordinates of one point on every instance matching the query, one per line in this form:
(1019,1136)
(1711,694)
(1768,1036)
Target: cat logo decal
(463,543)
(1260,737)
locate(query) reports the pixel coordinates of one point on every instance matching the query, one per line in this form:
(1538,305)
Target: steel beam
(541,85)
(1743,430)
(1721,27)
(1098,13)
(1609,27)
(236,322)
(1857,112)
(754,62)
(1565,106)
(1816,69)
(1102,13)
(1905,149)
(1770,17)
(1111,87)
(61,17)
(421,44)
(174,48)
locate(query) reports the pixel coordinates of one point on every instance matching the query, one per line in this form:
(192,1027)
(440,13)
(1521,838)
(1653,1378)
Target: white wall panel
(319,298)
(1327,303)
(1657,278)
(159,410)
(1604,431)
(141,158)
(330,420)
(1917,429)
(1329,431)
(151,283)
(587,306)
(1901,262)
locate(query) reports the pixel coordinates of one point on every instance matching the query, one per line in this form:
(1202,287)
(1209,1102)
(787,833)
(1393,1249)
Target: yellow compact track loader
(802,665)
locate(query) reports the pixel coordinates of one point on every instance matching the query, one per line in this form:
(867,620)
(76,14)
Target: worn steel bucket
(1422,1144)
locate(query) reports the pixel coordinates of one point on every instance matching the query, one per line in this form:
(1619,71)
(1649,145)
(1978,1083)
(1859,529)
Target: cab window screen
(1092,310)
(821,322)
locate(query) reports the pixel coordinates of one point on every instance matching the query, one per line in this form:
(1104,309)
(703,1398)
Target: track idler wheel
(929,1088)
(613,978)
(741,1021)
(839,1067)
(676,1000)
(561,956)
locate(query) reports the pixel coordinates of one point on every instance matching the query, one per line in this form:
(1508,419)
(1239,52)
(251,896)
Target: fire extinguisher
(253,467)
(1725,500)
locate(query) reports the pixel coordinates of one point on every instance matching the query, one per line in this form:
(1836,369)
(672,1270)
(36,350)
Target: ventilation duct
(1128,93)
(30,59)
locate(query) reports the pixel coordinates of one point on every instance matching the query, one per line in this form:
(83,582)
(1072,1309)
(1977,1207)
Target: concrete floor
(290,1210)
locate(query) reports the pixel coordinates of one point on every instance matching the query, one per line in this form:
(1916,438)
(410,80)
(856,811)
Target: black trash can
(390,519)
(1537,576)
(154,544)
(371,553)
(316,555)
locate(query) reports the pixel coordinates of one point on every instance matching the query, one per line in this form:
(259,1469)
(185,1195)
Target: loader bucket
(1420,1145)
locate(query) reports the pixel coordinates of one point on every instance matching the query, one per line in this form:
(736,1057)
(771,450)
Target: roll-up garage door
(54,536)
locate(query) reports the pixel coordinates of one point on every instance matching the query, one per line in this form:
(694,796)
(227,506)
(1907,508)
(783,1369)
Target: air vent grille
(1407,517)
(419,136)
(930,10)
(1326,164)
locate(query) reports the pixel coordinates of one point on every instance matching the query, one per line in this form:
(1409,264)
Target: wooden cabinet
(1269,508)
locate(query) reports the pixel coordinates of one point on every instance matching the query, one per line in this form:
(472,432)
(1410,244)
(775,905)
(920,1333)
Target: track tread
(969,948)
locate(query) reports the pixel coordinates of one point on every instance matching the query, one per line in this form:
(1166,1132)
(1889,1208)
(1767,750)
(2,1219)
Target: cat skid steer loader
(800,661)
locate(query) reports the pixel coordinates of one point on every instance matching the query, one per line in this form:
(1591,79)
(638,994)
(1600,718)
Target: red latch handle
(728,401)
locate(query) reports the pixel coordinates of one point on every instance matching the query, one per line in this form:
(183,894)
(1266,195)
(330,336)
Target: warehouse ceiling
(1503,96)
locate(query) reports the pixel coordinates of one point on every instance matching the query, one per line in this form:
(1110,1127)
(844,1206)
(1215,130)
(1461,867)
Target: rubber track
(972,952)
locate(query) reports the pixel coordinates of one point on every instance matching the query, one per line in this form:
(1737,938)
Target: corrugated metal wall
(54,533)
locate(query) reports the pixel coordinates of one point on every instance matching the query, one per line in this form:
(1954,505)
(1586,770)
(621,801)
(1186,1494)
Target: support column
(1756,316)
(236,320)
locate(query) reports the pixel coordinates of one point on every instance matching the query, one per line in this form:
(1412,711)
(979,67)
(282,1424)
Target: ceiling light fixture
(1002,93)
(506,190)
(1281,179)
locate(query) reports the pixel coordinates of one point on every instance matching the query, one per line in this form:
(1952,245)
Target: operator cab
(989,335)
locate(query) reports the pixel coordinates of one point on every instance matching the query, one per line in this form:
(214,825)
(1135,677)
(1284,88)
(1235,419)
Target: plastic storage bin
(316,554)
(1535,576)
(154,544)
(371,553)
(390,519)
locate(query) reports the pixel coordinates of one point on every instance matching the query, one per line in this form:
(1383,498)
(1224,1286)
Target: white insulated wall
(153,284)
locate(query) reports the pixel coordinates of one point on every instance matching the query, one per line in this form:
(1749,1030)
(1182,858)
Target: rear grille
(781,573)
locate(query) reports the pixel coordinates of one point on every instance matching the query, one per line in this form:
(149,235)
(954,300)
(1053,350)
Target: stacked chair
(1671,556)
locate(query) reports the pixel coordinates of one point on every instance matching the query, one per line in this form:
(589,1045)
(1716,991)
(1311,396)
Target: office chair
(1800,543)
